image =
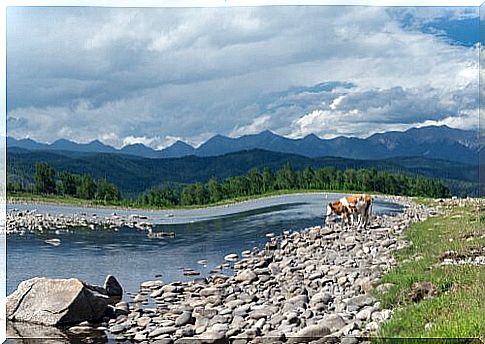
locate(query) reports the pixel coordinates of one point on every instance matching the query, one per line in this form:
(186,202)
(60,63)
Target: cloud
(120,74)
(257,125)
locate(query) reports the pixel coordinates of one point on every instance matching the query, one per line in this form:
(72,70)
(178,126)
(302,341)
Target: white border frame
(147,3)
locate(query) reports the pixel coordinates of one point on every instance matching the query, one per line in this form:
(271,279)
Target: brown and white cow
(351,208)
(361,208)
(338,209)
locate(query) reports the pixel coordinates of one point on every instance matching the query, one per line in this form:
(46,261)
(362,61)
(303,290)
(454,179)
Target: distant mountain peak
(180,143)
(97,143)
(311,136)
(62,141)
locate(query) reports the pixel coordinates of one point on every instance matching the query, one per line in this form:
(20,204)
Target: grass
(458,310)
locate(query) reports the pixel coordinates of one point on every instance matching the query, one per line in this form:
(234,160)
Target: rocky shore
(304,286)
(310,286)
(19,222)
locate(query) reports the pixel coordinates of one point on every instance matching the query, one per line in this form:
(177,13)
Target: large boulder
(113,287)
(55,302)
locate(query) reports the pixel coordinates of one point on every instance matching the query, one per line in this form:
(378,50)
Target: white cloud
(131,140)
(257,125)
(159,74)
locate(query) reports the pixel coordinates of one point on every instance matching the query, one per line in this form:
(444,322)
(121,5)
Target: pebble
(312,283)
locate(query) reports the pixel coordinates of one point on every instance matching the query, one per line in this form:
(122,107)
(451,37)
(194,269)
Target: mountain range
(435,142)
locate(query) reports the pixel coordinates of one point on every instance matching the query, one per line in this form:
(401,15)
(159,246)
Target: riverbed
(202,238)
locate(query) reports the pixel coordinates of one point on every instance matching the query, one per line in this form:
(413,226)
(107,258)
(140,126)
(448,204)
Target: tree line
(49,182)
(255,182)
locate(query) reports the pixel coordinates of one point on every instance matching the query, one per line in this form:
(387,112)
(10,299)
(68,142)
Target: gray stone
(184,318)
(118,328)
(55,302)
(365,313)
(152,284)
(349,340)
(384,287)
(323,297)
(246,276)
(357,302)
(161,330)
(210,337)
(308,334)
(209,292)
(139,337)
(332,321)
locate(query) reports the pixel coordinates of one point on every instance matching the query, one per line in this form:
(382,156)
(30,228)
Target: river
(200,234)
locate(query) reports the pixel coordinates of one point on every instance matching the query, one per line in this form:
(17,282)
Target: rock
(162,330)
(308,334)
(140,298)
(143,321)
(169,288)
(247,276)
(299,301)
(422,290)
(152,284)
(349,340)
(112,286)
(184,319)
(332,321)
(365,313)
(220,328)
(86,331)
(323,297)
(29,330)
(384,288)
(231,257)
(191,273)
(357,302)
(139,337)
(55,302)
(211,337)
(161,341)
(209,291)
(260,313)
(372,326)
(118,328)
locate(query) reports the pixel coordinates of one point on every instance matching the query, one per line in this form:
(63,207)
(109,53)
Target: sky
(154,76)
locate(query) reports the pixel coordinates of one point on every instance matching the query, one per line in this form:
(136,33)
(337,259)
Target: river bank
(38,217)
(302,286)
(307,284)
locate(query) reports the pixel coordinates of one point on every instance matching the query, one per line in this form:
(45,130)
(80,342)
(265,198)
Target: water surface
(133,257)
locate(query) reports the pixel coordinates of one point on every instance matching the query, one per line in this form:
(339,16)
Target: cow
(351,208)
(361,209)
(338,209)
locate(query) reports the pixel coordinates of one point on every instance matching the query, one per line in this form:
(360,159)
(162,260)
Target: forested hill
(134,175)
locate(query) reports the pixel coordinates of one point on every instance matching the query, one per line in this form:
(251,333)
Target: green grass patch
(458,309)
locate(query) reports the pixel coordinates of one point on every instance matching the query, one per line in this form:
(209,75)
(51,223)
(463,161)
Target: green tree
(44,178)
(286,178)
(215,190)
(86,187)
(106,191)
(255,180)
(267,180)
(67,183)
(188,195)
